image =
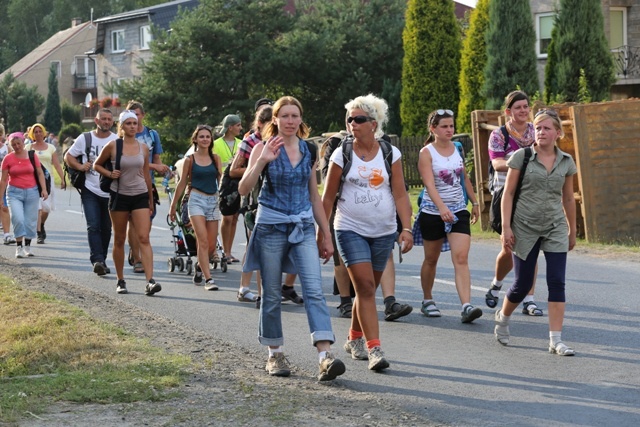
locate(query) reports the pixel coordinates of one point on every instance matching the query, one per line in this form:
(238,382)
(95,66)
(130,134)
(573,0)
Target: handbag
(495,212)
(105,181)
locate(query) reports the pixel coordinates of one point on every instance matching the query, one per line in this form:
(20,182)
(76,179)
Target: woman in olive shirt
(545,220)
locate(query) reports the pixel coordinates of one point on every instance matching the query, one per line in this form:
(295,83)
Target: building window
(117,41)
(57,65)
(145,36)
(544,26)
(617,27)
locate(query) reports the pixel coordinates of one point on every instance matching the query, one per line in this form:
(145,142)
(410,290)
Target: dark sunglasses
(551,113)
(359,119)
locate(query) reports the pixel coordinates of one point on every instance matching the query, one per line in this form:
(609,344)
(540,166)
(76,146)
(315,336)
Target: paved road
(440,369)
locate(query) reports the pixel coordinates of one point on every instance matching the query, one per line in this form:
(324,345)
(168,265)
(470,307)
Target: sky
(468,2)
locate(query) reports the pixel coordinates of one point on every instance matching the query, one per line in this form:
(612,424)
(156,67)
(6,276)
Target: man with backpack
(95,202)
(151,138)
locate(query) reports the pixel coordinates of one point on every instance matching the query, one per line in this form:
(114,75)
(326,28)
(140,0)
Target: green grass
(52,351)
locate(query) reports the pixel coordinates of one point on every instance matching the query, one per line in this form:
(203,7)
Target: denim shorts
(203,205)
(356,249)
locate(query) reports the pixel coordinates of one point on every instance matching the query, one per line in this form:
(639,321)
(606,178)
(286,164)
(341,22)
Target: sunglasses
(206,127)
(443,112)
(359,119)
(551,113)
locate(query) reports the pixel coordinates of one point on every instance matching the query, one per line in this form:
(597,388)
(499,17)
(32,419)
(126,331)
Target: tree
(511,56)
(70,113)
(53,113)
(551,89)
(580,43)
(20,105)
(431,63)
(472,63)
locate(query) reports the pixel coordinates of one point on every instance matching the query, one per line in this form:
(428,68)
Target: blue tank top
(290,185)
(204,178)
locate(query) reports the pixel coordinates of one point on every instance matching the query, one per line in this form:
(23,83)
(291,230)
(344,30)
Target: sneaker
(278,365)
(396,310)
(501,331)
(377,362)
(258,301)
(357,349)
(210,285)
(330,368)
(107,269)
(20,253)
(152,287)
(40,239)
(288,293)
(121,287)
(99,268)
(346,310)
(470,314)
(197,277)
(9,240)
(27,250)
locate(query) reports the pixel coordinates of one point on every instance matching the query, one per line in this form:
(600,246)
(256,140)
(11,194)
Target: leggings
(525,270)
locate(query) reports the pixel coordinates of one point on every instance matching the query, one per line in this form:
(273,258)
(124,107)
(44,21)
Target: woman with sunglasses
(521,134)
(365,219)
(19,182)
(283,237)
(444,217)
(130,196)
(201,172)
(548,224)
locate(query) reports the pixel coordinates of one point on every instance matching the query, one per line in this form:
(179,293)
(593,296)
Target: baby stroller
(184,240)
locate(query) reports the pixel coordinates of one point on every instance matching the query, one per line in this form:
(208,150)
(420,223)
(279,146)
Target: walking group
(363,212)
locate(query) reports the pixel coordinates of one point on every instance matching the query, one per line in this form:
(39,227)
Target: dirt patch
(227,386)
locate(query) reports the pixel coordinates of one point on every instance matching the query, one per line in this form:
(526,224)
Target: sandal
(231,258)
(246,296)
(138,268)
(215,258)
(531,309)
(489,299)
(429,309)
(561,349)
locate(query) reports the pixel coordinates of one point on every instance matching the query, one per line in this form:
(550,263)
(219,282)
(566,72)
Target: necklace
(363,156)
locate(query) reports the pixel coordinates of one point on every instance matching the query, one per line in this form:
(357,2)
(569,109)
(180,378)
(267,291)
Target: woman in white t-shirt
(365,220)
(444,215)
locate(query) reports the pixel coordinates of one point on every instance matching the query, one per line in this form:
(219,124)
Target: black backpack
(105,182)
(229,196)
(47,175)
(77,178)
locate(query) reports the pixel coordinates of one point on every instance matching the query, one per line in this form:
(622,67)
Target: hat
(229,120)
(31,134)
(262,101)
(127,114)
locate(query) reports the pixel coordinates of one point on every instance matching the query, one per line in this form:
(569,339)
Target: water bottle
(167,177)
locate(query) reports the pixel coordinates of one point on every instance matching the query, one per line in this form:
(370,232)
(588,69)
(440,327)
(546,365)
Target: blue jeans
(96,212)
(23,205)
(272,246)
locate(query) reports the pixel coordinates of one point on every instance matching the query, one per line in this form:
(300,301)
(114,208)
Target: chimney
(75,22)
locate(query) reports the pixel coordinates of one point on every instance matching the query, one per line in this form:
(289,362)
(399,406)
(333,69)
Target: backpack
(495,213)
(77,178)
(229,201)
(492,171)
(47,175)
(105,182)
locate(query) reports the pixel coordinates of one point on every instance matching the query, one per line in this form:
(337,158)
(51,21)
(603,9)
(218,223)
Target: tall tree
(20,105)
(511,56)
(472,63)
(53,111)
(431,63)
(580,43)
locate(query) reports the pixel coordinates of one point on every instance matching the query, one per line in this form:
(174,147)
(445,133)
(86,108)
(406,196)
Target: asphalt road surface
(449,372)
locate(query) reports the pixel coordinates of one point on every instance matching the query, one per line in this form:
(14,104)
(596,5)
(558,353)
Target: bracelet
(407,229)
(475,204)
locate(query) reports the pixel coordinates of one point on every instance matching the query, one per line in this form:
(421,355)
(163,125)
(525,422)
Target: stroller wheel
(189,267)
(223,265)
(171,263)
(180,264)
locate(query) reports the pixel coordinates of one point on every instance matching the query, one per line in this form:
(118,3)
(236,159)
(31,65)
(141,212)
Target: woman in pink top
(19,180)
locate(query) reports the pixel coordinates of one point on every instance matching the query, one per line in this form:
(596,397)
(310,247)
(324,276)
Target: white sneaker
(20,253)
(9,239)
(27,250)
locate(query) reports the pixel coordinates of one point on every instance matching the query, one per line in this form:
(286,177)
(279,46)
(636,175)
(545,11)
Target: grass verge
(50,350)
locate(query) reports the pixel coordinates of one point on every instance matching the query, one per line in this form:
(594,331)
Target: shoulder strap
(387,155)
(155,137)
(32,159)
(525,162)
(505,134)
(347,154)
(313,149)
(119,146)
(87,144)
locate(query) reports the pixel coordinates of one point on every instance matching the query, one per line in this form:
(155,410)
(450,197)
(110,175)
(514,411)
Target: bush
(71,114)
(71,130)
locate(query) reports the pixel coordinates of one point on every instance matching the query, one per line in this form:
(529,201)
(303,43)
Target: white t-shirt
(79,147)
(366,205)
